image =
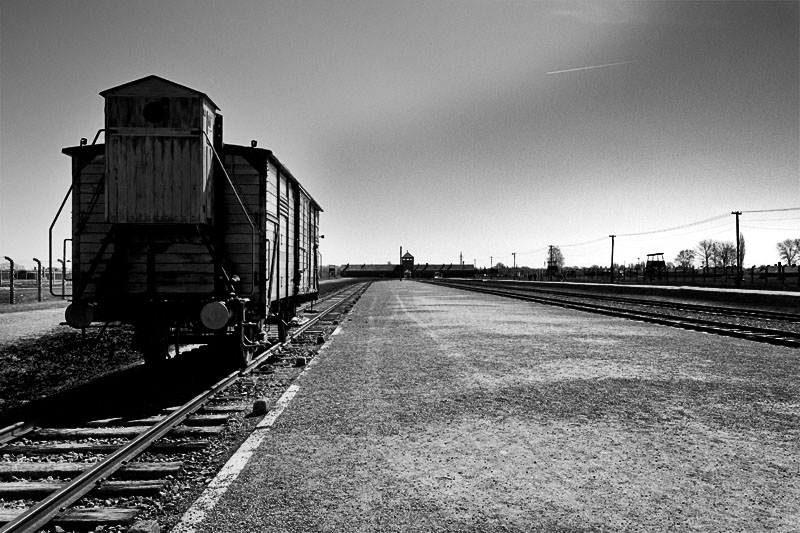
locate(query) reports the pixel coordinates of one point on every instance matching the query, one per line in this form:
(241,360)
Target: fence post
(38,280)
(11,280)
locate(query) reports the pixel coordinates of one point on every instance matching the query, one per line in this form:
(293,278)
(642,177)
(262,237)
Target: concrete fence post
(11,280)
(38,280)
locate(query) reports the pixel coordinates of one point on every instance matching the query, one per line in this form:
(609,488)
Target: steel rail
(45,511)
(15,431)
(728,311)
(766,335)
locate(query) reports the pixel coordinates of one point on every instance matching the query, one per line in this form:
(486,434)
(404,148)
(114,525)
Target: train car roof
(154,85)
(97,149)
(263,152)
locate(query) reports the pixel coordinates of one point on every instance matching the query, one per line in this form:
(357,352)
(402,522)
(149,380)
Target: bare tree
(724,253)
(685,258)
(557,256)
(789,250)
(705,251)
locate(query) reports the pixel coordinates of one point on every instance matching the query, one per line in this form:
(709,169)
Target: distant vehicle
(437,275)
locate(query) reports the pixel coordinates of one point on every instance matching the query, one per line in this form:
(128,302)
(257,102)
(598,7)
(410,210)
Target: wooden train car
(189,239)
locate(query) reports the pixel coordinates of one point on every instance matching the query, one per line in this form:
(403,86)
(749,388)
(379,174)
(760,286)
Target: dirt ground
(39,356)
(31,322)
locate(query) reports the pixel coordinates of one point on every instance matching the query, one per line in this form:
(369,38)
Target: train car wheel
(152,340)
(246,348)
(237,348)
(155,353)
(245,355)
(282,330)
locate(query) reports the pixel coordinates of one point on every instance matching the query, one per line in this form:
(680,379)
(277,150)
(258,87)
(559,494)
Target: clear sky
(447,127)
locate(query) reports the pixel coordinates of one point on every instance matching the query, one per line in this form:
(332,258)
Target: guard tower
(408,265)
(656,267)
(552,266)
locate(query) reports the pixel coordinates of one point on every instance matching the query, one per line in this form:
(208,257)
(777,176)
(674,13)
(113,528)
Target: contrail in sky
(595,66)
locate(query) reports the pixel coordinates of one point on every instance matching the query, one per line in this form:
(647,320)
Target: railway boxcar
(187,238)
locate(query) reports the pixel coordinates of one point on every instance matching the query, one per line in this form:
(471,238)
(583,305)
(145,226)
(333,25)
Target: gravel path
(439,410)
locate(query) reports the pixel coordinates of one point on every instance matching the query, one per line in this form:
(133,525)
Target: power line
(682,226)
(773,210)
(776,229)
(771,219)
(715,228)
(601,239)
(539,250)
(719,217)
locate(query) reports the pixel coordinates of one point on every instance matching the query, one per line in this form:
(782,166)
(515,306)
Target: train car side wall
(291,236)
(89,226)
(287,219)
(308,222)
(117,264)
(241,227)
(273,229)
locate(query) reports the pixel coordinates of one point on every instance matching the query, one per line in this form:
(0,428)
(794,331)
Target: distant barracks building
(410,269)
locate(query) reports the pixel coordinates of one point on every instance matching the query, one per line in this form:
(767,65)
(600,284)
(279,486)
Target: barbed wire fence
(629,253)
(25,284)
(630,246)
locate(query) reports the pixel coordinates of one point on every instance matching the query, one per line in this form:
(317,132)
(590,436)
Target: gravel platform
(441,410)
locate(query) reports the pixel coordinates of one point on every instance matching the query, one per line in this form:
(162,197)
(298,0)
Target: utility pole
(515,264)
(738,257)
(612,257)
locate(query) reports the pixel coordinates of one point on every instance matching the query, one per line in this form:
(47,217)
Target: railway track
(71,476)
(636,309)
(758,314)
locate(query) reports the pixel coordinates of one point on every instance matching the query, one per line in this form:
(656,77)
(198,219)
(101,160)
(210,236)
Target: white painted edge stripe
(220,484)
(206,502)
